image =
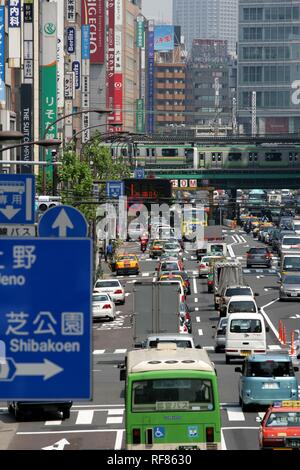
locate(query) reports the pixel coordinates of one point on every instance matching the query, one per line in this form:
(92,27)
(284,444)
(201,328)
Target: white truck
(214,242)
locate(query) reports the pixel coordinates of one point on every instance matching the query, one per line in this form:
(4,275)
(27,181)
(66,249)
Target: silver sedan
(290,287)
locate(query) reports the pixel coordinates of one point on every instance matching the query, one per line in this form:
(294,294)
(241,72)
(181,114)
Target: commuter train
(167,156)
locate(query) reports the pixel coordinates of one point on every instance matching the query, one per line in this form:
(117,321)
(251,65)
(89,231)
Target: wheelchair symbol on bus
(159,432)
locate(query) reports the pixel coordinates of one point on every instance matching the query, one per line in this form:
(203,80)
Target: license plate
(245,353)
(294,294)
(270,386)
(295,443)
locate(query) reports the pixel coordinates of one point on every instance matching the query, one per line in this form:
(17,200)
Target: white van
(296,226)
(245,335)
(241,304)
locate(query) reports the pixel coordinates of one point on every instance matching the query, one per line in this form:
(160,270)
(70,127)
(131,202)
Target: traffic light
(42,203)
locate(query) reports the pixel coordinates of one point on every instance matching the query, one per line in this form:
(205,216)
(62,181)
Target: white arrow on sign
(9,212)
(47,368)
(62,222)
(59,445)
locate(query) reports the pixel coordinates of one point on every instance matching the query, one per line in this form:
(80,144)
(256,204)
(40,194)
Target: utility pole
(234,120)
(253,113)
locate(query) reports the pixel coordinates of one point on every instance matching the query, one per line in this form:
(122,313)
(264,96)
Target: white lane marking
(145,274)
(85,417)
(196,300)
(116,412)
(195,286)
(154,279)
(274,347)
(266,290)
(198,319)
(196,309)
(53,423)
(200,332)
(262,309)
(208,348)
(99,351)
(114,420)
(120,351)
(127,294)
(235,414)
(119,439)
(223,443)
(73,431)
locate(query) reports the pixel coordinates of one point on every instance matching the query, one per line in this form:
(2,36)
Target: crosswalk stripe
(99,351)
(116,412)
(85,417)
(235,414)
(114,420)
(120,351)
(53,423)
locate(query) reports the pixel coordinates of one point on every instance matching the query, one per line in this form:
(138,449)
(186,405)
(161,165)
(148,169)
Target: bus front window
(172,394)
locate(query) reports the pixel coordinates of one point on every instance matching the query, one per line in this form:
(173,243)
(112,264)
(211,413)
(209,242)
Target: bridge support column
(232,206)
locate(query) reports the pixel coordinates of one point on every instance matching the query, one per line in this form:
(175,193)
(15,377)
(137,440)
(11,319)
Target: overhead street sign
(114,189)
(45,319)
(17,197)
(63,221)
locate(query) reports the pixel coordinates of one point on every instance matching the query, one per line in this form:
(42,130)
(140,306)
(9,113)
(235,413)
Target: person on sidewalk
(108,251)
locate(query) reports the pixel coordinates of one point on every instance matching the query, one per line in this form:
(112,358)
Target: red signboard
(277,125)
(110,64)
(93,14)
(118,97)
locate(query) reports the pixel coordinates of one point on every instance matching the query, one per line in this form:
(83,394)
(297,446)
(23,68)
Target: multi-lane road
(99,424)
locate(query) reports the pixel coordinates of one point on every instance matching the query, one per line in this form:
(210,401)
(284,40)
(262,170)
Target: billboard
(93,14)
(118,97)
(147,190)
(163,38)
(277,125)
(150,98)
(26,125)
(14,33)
(2,57)
(110,65)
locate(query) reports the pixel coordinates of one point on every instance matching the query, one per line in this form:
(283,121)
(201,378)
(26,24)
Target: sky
(157,9)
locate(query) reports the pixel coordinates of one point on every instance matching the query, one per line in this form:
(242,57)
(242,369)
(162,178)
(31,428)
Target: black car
(20,408)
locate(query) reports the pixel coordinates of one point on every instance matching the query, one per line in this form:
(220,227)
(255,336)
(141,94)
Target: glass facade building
(269,64)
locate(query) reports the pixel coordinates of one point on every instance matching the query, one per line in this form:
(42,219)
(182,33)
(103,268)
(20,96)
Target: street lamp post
(61,118)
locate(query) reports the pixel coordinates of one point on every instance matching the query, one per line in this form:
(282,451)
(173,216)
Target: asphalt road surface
(99,424)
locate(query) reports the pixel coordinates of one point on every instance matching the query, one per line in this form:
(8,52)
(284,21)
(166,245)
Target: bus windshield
(172,394)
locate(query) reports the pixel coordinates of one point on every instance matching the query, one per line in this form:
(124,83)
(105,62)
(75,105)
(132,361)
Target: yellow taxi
(174,277)
(127,264)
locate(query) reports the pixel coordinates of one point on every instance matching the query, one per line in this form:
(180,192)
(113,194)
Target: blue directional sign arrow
(63,221)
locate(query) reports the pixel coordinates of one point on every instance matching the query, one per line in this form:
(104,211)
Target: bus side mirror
(267,329)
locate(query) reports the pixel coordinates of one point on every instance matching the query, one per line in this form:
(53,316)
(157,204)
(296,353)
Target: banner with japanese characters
(2,57)
(14,33)
(48,72)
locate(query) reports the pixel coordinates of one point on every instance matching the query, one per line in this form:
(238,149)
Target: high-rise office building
(268,64)
(207,19)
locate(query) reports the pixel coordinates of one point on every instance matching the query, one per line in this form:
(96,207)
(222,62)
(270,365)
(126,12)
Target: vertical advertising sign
(2,57)
(140,116)
(28,41)
(71,11)
(118,75)
(93,14)
(85,90)
(140,32)
(60,56)
(14,33)
(48,71)
(26,125)
(150,103)
(110,64)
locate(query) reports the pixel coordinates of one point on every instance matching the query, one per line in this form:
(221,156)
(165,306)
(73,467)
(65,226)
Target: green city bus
(171,400)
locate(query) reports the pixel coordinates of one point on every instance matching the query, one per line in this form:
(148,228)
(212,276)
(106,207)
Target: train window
(138,152)
(253,156)
(293,156)
(219,157)
(234,157)
(147,152)
(169,152)
(273,156)
(153,152)
(124,153)
(189,152)
(213,156)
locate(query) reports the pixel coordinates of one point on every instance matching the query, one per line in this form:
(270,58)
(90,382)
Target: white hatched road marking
(200,332)
(235,414)
(85,417)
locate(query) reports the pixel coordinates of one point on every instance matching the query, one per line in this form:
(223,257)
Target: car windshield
(291,280)
(171,246)
(257,251)
(245,326)
(216,248)
(100,298)
(270,368)
(238,291)
(183,274)
(168,266)
(126,258)
(179,343)
(243,306)
(291,262)
(289,419)
(103,284)
(291,241)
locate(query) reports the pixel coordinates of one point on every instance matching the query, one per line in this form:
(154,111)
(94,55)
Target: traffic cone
(284,336)
(280,331)
(292,349)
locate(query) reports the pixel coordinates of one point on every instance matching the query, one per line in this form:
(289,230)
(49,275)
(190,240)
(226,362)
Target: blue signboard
(139,173)
(76,70)
(17,198)
(150,103)
(2,55)
(63,221)
(85,41)
(163,38)
(45,320)
(71,43)
(14,13)
(115,189)
(159,432)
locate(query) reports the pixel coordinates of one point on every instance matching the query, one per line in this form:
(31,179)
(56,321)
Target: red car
(280,427)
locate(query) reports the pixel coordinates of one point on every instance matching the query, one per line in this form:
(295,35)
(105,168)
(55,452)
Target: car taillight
(187,316)
(209,283)
(136,436)
(106,306)
(118,291)
(210,435)
(202,266)
(182,298)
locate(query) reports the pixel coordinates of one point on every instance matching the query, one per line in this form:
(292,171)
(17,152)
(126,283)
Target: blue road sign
(139,173)
(45,319)
(63,221)
(17,197)
(115,189)
(159,432)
